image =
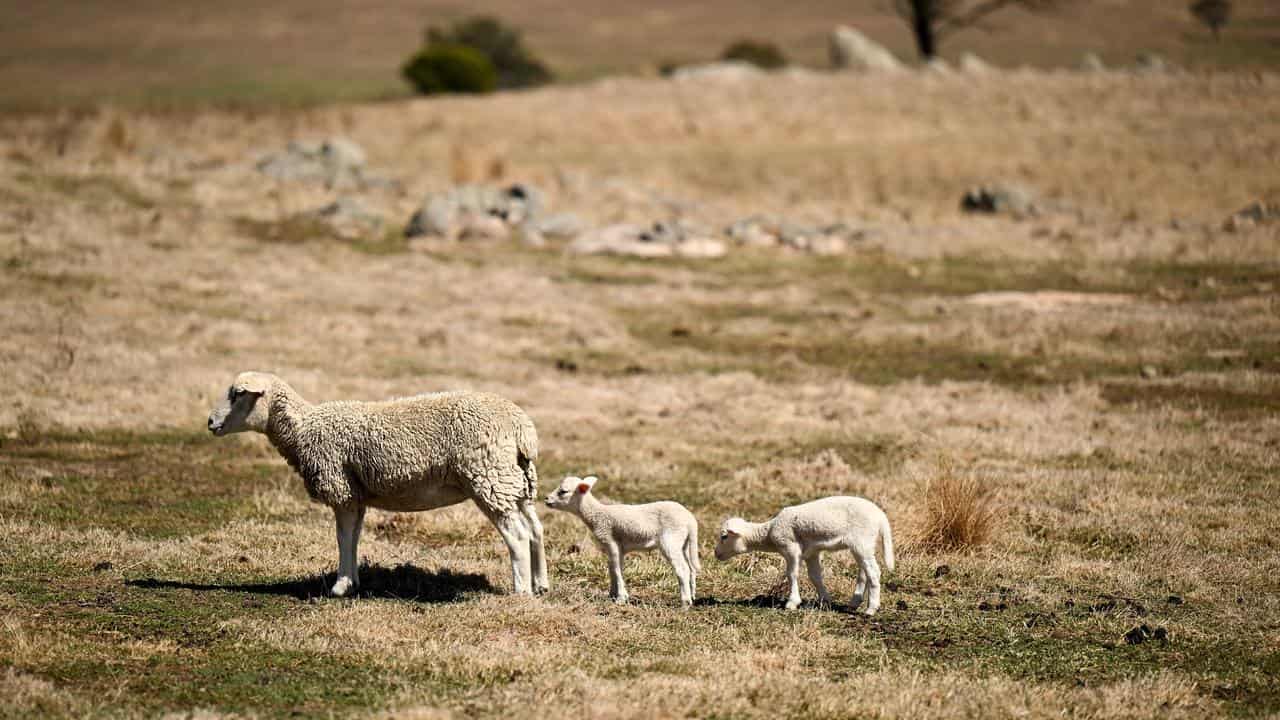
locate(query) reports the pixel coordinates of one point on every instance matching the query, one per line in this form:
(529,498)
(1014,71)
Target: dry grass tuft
(960,511)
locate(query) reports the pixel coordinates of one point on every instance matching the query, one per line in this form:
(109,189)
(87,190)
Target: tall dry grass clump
(960,511)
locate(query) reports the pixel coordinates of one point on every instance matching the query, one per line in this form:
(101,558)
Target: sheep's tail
(886,537)
(526,453)
(691,549)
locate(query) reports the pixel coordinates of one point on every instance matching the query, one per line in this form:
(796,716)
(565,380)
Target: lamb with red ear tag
(619,529)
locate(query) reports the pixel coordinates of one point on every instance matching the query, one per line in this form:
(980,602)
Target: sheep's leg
(515,533)
(871,569)
(673,551)
(617,586)
(349,521)
(537,553)
(814,564)
(792,555)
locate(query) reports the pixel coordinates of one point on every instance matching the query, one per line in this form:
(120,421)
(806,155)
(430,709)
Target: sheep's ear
(586,484)
(254,382)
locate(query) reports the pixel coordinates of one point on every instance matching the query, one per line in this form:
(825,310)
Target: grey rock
(851,50)
(1252,215)
(727,70)
(661,239)
(336,162)
(558,226)
(999,199)
(475,211)
(1091,62)
(348,216)
(971,64)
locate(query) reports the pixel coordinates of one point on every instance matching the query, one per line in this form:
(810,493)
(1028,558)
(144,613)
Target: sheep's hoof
(620,599)
(792,604)
(542,590)
(343,587)
(870,611)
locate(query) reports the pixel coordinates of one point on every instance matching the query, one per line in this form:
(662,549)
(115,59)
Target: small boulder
(1252,215)
(971,64)
(477,212)
(336,162)
(1091,62)
(662,239)
(348,217)
(851,50)
(1000,198)
(724,71)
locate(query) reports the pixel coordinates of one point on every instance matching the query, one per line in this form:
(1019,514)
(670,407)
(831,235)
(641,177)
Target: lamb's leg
(859,588)
(349,521)
(871,569)
(537,553)
(617,586)
(792,556)
(814,564)
(672,549)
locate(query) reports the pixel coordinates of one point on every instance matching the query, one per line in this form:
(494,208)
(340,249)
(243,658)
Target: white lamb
(414,453)
(804,531)
(619,529)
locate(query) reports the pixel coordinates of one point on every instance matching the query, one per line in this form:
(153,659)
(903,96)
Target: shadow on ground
(402,582)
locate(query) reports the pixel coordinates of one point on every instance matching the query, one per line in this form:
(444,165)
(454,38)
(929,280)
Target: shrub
(960,512)
(516,66)
(445,68)
(761,54)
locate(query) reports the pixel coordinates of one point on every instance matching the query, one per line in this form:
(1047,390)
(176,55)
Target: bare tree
(932,20)
(1213,13)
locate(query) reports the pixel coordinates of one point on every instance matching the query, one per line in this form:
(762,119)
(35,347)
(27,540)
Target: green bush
(447,68)
(502,45)
(761,54)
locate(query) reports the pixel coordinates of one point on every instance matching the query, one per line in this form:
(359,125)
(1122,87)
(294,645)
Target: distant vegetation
(1213,13)
(764,55)
(514,65)
(450,68)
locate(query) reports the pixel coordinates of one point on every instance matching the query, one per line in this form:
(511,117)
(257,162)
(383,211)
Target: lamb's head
(569,495)
(246,405)
(731,540)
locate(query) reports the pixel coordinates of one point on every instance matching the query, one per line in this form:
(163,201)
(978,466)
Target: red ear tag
(583,488)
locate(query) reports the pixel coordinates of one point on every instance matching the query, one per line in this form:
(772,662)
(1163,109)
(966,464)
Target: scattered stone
(1153,64)
(999,198)
(561,226)
(724,71)
(662,239)
(1252,215)
(938,66)
(763,231)
(1137,635)
(851,50)
(1150,372)
(336,162)
(901,604)
(480,212)
(103,566)
(941,571)
(348,217)
(1091,62)
(971,64)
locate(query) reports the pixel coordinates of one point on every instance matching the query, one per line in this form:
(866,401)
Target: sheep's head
(246,405)
(731,540)
(569,495)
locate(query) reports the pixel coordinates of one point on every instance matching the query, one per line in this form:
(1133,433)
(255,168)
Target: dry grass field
(1107,373)
(172,53)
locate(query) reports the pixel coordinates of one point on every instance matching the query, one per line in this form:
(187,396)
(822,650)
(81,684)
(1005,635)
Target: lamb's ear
(733,526)
(586,484)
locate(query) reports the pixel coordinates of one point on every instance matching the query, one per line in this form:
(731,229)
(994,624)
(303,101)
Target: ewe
(620,529)
(414,453)
(804,531)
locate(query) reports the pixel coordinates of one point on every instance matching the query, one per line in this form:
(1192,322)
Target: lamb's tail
(526,453)
(691,549)
(886,537)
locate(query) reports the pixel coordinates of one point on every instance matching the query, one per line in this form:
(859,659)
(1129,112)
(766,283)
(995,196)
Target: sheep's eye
(564,492)
(235,394)
(724,535)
